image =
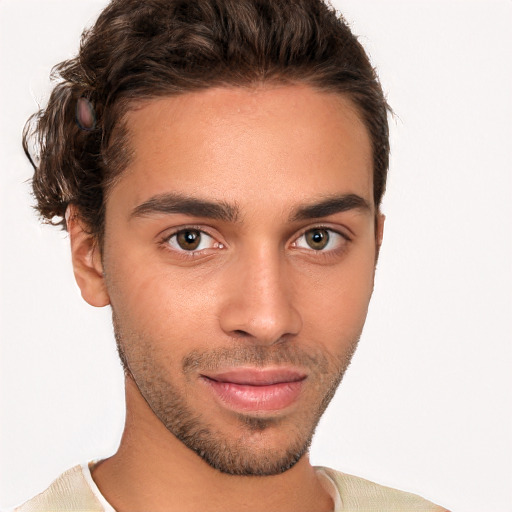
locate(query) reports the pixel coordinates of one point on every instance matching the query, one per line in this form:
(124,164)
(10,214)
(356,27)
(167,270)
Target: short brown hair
(143,49)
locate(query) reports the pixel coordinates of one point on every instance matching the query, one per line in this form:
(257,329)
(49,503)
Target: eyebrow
(330,206)
(172,203)
(176,203)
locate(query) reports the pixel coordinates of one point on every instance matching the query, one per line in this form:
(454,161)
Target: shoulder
(70,492)
(358,494)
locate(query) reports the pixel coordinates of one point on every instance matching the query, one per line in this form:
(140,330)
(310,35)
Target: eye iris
(188,240)
(317,239)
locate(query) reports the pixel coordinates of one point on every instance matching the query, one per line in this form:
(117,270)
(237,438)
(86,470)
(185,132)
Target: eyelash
(164,242)
(326,254)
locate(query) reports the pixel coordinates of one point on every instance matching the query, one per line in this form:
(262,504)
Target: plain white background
(426,404)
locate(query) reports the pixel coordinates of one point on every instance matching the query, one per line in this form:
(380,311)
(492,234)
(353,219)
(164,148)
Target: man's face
(239,257)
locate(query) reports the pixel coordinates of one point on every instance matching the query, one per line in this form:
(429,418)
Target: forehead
(265,146)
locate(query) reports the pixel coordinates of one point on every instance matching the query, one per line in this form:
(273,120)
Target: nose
(258,301)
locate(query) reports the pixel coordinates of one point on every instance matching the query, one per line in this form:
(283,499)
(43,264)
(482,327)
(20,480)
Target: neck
(153,470)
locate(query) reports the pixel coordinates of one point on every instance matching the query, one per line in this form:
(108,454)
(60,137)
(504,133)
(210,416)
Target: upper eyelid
(338,231)
(164,241)
(175,233)
(166,234)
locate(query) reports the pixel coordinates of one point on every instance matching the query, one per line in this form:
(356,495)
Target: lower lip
(272,397)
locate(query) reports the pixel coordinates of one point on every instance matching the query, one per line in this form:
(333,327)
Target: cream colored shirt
(75,491)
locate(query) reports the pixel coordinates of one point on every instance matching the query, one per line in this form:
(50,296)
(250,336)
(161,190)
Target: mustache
(255,355)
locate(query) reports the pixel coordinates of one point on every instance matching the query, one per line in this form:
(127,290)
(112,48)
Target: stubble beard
(247,454)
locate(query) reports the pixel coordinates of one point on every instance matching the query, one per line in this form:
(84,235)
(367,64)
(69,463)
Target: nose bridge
(260,302)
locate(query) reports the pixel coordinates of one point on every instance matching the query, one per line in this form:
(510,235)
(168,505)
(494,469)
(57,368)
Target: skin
(255,294)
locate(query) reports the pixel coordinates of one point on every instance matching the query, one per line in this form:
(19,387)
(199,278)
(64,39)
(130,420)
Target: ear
(86,258)
(379,233)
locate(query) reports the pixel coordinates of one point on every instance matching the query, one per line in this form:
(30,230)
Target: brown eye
(317,239)
(188,239)
(192,240)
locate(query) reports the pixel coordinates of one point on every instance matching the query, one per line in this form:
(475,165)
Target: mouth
(256,389)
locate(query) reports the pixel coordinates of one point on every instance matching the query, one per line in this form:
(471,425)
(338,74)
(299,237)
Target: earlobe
(86,258)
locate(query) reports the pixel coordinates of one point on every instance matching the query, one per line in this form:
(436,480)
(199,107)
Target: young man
(219,166)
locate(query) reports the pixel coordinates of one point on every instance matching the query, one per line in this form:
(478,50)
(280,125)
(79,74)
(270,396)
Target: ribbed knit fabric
(71,492)
(360,495)
(75,491)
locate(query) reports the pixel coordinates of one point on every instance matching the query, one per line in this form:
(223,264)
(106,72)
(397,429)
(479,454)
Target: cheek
(155,301)
(337,303)
(179,306)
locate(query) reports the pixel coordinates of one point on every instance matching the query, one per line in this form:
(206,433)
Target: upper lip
(257,376)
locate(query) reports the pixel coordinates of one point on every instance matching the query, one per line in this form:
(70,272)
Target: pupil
(318,239)
(189,240)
